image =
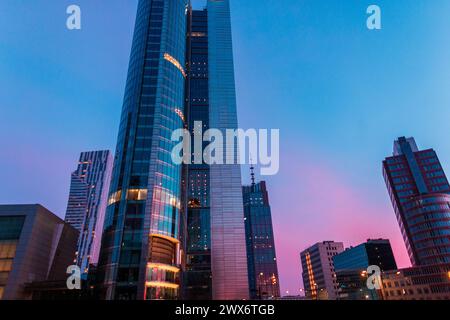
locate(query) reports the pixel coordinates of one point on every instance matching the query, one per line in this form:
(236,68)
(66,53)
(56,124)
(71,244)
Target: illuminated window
(137,194)
(115,197)
(175,62)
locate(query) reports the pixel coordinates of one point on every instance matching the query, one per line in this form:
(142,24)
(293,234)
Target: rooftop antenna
(252,171)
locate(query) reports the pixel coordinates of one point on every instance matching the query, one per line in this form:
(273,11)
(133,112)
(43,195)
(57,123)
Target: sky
(339,93)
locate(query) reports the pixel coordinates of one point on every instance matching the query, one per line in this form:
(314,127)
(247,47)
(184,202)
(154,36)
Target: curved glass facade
(144,215)
(420,195)
(428,221)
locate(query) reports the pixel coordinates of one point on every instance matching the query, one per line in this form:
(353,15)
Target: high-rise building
(261,256)
(319,278)
(420,194)
(351,266)
(155,205)
(87,203)
(142,245)
(215,262)
(35,245)
(198,275)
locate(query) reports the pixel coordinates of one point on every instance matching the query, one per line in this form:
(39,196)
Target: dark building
(261,256)
(35,245)
(198,275)
(172,82)
(373,252)
(351,268)
(420,194)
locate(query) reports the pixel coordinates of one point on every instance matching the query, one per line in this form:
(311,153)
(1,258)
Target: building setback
(319,278)
(35,245)
(261,256)
(88,198)
(420,194)
(151,205)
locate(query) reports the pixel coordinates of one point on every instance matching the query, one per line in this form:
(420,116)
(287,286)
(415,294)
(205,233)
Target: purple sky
(339,93)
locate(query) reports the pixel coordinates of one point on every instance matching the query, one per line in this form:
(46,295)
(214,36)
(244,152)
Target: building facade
(261,256)
(142,245)
(198,273)
(319,277)
(155,205)
(88,198)
(430,282)
(420,194)
(35,245)
(351,268)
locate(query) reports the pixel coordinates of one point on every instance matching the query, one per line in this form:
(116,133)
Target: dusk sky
(339,93)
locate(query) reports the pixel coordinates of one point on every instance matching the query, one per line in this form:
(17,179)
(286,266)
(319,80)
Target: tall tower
(261,257)
(87,203)
(142,247)
(420,195)
(216,264)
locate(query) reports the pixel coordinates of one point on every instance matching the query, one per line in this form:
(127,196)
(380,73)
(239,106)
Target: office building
(35,245)
(149,248)
(351,268)
(261,256)
(319,279)
(88,198)
(373,252)
(420,194)
(430,282)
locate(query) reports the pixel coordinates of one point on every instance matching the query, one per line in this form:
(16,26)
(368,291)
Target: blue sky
(339,93)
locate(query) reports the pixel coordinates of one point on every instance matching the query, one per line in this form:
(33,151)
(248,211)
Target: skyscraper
(142,245)
(198,275)
(87,203)
(318,270)
(420,195)
(216,265)
(261,256)
(154,201)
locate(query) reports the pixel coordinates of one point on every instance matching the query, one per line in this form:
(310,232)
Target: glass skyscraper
(198,277)
(181,71)
(86,207)
(142,246)
(420,195)
(261,256)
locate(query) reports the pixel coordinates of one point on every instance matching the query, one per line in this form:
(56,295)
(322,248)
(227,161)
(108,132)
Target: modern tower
(261,257)
(178,55)
(318,271)
(142,245)
(198,275)
(87,203)
(420,195)
(216,265)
